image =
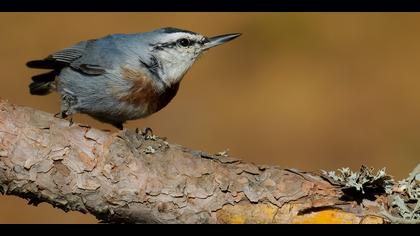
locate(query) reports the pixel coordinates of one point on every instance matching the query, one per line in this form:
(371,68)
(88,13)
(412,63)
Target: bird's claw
(147,133)
(63,115)
(71,121)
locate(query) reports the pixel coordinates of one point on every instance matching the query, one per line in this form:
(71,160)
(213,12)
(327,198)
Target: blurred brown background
(304,90)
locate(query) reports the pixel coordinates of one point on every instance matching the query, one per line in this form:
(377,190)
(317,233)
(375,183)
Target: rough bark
(133,177)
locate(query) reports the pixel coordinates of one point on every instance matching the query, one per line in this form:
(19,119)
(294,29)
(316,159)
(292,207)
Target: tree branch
(133,177)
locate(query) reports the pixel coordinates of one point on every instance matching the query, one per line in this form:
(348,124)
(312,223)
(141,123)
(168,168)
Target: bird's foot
(60,115)
(147,133)
(63,115)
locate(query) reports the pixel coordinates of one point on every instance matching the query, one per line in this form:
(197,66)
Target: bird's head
(173,51)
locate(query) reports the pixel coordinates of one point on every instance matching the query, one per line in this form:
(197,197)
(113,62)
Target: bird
(121,77)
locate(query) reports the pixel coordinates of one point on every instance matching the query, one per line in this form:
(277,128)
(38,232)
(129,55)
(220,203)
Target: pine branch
(133,177)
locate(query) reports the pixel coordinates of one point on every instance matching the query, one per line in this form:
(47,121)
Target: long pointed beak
(214,41)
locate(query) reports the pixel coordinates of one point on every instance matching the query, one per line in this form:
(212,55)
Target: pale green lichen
(403,196)
(361,180)
(224,153)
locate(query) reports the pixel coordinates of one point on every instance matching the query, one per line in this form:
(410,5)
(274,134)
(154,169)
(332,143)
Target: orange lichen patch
(237,220)
(265,213)
(372,220)
(247,214)
(327,217)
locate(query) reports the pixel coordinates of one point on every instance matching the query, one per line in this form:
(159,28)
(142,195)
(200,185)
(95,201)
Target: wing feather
(61,58)
(87,57)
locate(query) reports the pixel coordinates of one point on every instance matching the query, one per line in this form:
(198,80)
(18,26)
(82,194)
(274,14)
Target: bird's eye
(184,42)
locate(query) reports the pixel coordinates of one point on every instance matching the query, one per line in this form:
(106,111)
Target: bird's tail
(43,84)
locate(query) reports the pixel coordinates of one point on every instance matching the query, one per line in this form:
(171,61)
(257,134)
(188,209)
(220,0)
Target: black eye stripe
(184,42)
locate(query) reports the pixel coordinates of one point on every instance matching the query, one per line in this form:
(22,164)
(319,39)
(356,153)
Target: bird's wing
(69,55)
(61,58)
(79,57)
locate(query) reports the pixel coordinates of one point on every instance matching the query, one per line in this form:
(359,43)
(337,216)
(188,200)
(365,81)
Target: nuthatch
(121,77)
